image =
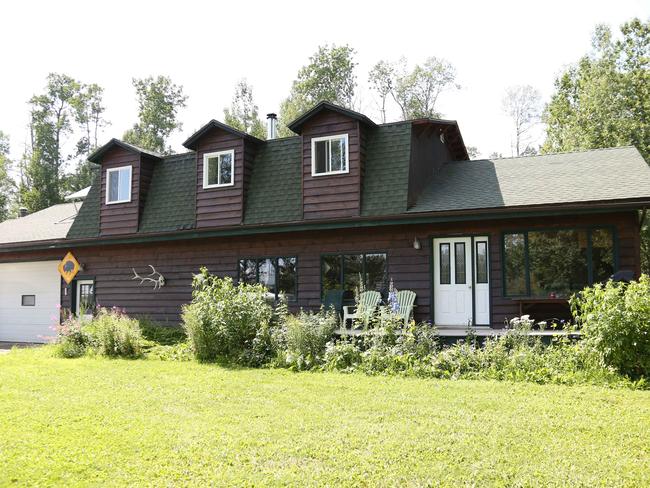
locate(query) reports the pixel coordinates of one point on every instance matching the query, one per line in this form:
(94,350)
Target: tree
(415,92)
(329,76)
(243,113)
(67,107)
(522,103)
(7,184)
(159,101)
(52,114)
(472,152)
(381,79)
(604,99)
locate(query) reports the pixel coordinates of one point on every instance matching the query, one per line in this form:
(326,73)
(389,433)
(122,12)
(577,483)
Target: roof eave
(96,155)
(191,141)
(297,124)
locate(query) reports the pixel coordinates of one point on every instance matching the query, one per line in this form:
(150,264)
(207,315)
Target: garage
(29,300)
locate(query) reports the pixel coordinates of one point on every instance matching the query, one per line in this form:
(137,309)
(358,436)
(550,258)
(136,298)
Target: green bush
(115,334)
(176,352)
(303,338)
(224,319)
(614,320)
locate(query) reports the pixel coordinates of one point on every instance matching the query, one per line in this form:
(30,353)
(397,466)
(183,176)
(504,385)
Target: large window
(329,155)
(344,272)
(278,275)
(218,169)
(118,185)
(558,262)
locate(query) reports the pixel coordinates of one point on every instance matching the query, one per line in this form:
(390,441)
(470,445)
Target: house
(343,200)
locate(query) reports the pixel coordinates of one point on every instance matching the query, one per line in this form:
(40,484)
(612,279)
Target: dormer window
(118,185)
(218,169)
(329,155)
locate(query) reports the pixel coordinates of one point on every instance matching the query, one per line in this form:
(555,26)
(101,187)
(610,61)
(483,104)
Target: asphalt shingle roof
(386,174)
(49,224)
(275,190)
(86,224)
(171,199)
(602,174)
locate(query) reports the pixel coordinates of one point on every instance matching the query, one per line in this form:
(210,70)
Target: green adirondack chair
(368,301)
(406,301)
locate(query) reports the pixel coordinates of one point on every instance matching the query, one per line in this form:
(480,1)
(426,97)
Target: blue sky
(208,46)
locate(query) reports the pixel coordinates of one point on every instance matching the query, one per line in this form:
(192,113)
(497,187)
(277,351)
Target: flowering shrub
(301,339)
(71,338)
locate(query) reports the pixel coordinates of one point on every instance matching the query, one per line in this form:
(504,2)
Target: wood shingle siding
(222,206)
(120,218)
(331,196)
(409,268)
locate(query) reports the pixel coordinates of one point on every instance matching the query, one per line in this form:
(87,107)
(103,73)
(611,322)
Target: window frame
(341,256)
(218,154)
(524,231)
(314,140)
(274,259)
(108,184)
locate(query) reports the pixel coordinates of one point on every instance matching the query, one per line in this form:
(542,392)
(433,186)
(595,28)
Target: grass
(93,421)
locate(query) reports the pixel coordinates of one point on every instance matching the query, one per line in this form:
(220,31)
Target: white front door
(460,281)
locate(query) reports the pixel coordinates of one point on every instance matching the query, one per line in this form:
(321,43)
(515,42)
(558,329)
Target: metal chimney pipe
(271,126)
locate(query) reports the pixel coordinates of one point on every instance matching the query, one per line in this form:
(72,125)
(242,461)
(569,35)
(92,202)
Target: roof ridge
(559,153)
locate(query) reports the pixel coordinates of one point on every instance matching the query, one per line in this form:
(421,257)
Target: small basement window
(118,185)
(28,300)
(330,155)
(218,169)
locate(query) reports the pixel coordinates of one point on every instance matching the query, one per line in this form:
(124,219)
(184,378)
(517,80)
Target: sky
(207,46)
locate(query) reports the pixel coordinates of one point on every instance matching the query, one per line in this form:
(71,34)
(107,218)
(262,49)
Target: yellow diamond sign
(69,267)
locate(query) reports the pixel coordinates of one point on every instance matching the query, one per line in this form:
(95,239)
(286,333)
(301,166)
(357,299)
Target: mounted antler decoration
(154,277)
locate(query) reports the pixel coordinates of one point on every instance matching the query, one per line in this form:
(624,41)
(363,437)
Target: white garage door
(29,296)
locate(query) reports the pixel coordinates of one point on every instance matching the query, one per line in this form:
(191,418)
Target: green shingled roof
(386,174)
(588,176)
(275,190)
(171,199)
(86,224)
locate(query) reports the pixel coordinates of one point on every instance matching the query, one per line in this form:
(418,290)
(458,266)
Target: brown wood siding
(332,196)
(120,218)
(409,268)
(428,155)
(223,206)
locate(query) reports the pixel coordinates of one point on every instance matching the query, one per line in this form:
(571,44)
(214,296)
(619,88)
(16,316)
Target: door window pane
(287,282)
(481,262)
(459,262)
(515,264)
(445,264)
(28,300)
(602,254)
(86,297)
(376,275)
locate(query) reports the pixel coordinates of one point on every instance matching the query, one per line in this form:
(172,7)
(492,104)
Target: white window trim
(205,168)
(112,170)
(314,140)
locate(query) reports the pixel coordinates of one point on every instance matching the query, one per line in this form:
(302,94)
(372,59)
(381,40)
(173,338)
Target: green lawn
(91,421)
